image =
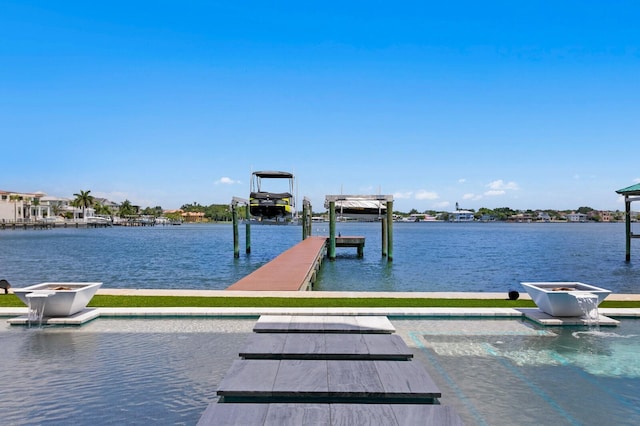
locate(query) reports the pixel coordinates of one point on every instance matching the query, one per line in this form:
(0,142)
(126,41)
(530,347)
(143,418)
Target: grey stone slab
(354,379)
(234,414)
(542,318)
(306,324)
(325,346)
(426,414)
(406,379)
(272,324)
(300,378)
(378,324)
(285,414)
(304,345)
(346,346)
(323,324)
(298,414)
(362,414)
(249,377)
(387,346)
(341,324)
(263,345)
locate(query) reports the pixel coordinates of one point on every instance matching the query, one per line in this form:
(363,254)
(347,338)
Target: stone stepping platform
(283,414)
(326,346)
(323,324)
(78,318)
(327,381)
(543,318)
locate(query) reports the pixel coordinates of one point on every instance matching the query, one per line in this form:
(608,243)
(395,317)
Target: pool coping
(18,316)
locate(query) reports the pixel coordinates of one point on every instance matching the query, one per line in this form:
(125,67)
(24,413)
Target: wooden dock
(296,268)
(357,242)
(297,374)
(50,225)
(293,270)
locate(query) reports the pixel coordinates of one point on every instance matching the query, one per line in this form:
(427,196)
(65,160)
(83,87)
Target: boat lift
(363,203)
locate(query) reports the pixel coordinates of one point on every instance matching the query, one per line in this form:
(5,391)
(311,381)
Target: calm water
(427,256)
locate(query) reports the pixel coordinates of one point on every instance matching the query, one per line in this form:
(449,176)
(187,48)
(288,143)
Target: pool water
(142,371)
(116,371)
(512,372)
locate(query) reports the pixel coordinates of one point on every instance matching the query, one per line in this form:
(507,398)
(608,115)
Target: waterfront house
(20,207)
(461,216)
(576,217)
(192,216)
(543,217)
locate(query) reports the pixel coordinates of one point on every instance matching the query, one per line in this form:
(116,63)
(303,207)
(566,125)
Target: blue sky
(526,104)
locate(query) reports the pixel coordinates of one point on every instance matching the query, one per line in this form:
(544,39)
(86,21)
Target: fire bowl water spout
(64,299)
(559,299)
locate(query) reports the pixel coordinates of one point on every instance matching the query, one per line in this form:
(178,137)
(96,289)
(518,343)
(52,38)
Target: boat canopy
(273,175)
(360,204)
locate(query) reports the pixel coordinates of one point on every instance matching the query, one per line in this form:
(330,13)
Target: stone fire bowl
(64,299)
(558,298)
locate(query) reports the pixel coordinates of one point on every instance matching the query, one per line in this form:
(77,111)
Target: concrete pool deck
(531,313)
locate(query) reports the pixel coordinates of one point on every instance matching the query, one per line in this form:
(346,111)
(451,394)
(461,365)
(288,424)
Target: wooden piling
(627,217)
(631,193)
(236,245)
(332,230)
(247,230)
(384,236)
(304,220)
(389,230)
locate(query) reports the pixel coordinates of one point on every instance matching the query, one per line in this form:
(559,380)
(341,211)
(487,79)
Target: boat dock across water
(296,268)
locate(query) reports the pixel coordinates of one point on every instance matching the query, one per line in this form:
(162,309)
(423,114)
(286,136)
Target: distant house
(606,216)
(521,218)
(192,216)
(22,206)
(576,217)
(461,216)
(544,217)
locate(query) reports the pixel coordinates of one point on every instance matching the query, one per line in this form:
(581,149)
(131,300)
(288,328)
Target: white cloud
(227,181)
(426,195)
(402,195)
(500,185)
(494,193)
(463,180)
(471,196)
(636,180)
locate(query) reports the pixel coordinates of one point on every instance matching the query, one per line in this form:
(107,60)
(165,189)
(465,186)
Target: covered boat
(359,208)
(271,204)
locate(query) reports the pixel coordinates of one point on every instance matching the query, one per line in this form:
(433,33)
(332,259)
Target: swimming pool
(139,371)
(513,372)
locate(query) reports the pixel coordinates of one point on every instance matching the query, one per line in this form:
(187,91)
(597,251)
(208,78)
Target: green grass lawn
(11,300)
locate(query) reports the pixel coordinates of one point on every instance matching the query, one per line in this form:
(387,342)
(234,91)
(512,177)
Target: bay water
(478,257)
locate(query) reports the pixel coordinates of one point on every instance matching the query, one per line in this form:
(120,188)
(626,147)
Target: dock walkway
(296,268)
(278,385)
(293,270)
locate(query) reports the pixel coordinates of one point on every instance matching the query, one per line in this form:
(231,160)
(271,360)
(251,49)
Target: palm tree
(84,200)
(126,209)
(15,198)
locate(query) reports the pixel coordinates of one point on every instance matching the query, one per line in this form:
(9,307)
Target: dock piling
(236,245)
(332,230)
(247,228)
(390,230)
(631,193)
(384,236)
